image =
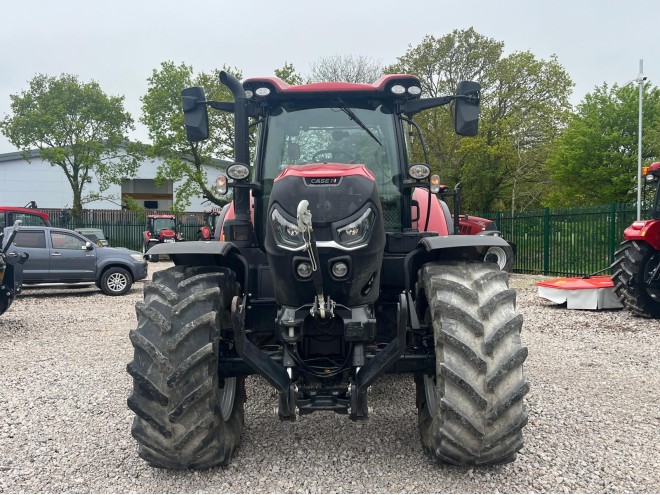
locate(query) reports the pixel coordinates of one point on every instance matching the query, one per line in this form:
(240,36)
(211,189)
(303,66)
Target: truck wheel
(471,412)
(634,264)
(186,416)
(116,281)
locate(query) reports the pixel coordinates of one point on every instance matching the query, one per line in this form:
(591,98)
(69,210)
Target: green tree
(524,102)
(595,159)
(77,127)
(184,160)
(289,75)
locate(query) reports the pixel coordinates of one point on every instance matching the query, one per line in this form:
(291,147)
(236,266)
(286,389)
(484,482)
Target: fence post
(612,231)
(498,220)
(546,241)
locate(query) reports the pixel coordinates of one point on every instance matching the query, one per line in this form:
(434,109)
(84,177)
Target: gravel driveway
(594,412)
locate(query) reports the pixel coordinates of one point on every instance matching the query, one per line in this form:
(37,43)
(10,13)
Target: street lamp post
(640,81)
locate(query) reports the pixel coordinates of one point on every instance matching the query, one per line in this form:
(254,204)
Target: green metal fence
(550,241)
(565,241)
(123,228)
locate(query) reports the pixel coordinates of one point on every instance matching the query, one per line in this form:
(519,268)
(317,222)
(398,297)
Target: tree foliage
(346,68)
(76,127)
(524,103)
(163,116)
(289,74)
(595,159)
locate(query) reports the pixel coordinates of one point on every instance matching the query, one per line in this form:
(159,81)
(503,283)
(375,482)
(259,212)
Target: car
(95,235)
(59,255)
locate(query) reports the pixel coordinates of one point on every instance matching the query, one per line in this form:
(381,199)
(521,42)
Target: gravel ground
(594,412)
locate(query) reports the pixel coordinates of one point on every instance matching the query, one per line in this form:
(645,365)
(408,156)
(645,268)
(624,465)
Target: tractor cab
(159,229)
(162,224)
(652,177)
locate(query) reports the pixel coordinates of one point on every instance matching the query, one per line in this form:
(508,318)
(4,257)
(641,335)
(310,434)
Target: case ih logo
(322,181)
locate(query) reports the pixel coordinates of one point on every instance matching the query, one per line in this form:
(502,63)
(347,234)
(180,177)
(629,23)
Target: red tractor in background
(336,263)
(212,220)
(464,224)
(160,229)
(636,267)
(28,215)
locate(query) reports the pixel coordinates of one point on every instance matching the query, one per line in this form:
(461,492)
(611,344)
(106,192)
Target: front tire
(186,415)
(633,267)
(116,281)
(471,411)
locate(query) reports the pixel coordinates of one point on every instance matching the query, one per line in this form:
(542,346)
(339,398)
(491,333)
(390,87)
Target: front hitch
(324,308)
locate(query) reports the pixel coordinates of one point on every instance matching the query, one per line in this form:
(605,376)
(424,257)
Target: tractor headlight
(358,231)
(287,234)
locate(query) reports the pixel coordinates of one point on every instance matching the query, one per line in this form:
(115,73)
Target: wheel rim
(501,256)
(228,397)
(651,281)
(117,282)
(429,392)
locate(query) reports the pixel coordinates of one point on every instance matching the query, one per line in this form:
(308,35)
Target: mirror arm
(220,105)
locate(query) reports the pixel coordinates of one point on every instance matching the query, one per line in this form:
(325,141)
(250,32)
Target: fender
(451,247)
(195,253)
(205,253)
(646,231)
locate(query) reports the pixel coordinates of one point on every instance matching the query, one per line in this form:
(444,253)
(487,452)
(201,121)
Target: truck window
(27,239)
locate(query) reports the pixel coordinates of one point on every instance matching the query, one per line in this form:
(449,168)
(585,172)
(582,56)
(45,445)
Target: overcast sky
(118,43)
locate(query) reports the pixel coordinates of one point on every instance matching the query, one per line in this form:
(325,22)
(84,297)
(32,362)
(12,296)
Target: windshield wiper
(351,115)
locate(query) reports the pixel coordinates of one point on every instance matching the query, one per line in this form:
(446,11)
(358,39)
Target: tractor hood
(347,225)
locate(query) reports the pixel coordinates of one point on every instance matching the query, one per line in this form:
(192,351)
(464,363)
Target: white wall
(22,182)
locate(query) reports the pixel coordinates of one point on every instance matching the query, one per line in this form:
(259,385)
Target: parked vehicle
(337,265)
(95,235)
(28,215)
(212,219)
(11,268)
(159,229)
(472,225)
(64,256)
(636,269)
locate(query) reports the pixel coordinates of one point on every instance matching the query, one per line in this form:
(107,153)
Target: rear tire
(471,412)
(186,415)
(633,265)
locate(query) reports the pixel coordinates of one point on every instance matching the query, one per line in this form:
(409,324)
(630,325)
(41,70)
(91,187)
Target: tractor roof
(18,209)
(276,89)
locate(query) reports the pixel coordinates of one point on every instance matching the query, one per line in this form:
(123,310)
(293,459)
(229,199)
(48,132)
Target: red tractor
(160,229)
(212,219)
(337,263)
(28,215)
(636,269)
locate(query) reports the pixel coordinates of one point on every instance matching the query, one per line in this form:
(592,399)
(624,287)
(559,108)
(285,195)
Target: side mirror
(466,111)
(195,115)
(88,246)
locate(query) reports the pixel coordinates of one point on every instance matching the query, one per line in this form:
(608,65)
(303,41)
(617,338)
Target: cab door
(70,259)
(33,242)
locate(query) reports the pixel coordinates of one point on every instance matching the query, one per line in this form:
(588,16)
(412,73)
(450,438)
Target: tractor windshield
(300,136)
(163,224)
